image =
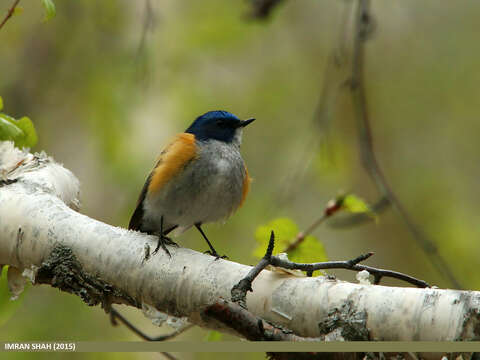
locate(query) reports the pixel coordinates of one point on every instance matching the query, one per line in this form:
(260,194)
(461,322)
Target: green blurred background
(106,89)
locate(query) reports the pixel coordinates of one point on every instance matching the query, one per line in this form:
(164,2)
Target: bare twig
(9,13)
(142,65)
(168,355)
(115,315)
(332,207)
(363,27)
(239,291)
(349,265)
(149,23)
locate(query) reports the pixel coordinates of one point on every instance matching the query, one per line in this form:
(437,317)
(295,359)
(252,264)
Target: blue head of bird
(218,125)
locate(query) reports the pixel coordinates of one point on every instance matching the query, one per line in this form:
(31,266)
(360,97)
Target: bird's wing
(171,160)
(136,219)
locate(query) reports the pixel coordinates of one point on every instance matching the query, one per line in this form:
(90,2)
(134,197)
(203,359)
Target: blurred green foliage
(105,102)
(213,335)
(8,307)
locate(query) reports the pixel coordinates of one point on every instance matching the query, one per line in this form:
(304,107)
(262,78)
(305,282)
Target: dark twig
(168,355)
(239,291)
(115,315)
(262,9)
(363,28)
(349,265)
(149,23)
(9,13)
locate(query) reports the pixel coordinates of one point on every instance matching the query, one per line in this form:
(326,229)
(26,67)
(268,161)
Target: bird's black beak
(244,123)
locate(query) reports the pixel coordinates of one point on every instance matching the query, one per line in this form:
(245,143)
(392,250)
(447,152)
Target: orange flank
(246,185)
(175,156)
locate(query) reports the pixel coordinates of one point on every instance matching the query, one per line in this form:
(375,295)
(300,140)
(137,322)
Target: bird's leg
(163,239)
(212,250)
(168,240)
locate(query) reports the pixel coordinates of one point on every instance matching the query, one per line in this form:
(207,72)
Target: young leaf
(285,231)
(1,103)
(50,10)
(311,250)
(214,336)
(21,132)
(30,135)
(9,129)
(354,204)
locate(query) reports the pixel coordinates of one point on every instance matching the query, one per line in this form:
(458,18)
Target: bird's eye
(221,124)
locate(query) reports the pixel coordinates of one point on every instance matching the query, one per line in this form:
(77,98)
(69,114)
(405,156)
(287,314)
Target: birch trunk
(43,236)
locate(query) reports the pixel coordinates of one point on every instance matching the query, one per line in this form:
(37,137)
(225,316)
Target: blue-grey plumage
(199,178)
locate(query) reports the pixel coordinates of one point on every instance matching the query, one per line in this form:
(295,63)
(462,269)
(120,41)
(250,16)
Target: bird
(200,177)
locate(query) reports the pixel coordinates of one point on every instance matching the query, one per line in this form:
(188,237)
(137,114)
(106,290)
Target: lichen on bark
(63,270)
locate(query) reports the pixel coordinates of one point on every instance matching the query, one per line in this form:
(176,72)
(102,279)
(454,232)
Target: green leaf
(285,231)
(1,103)
(9,129)
(308,251)
(50,9)
(21,132)
(214,336)
(30,135)
(354,204)
(311,250)
(7,306)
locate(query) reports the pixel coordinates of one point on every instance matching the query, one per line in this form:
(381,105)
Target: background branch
(363,29)
(9,13)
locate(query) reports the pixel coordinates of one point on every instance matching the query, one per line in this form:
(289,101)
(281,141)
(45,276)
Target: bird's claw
(162,241)
(214,253)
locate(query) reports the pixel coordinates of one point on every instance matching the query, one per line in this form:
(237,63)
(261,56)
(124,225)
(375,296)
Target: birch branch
(46,240)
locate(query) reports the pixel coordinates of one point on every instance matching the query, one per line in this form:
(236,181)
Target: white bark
(38,204)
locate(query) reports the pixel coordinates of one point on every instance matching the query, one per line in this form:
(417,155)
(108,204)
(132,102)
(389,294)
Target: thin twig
(239,291)
(168,355)
(9,13)
(115,315)
(349,265)
(149,23)
(363,27)
(332,207)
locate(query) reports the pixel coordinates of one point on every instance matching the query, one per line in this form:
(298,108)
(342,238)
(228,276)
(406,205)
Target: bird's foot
(162,241)
(214,253)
